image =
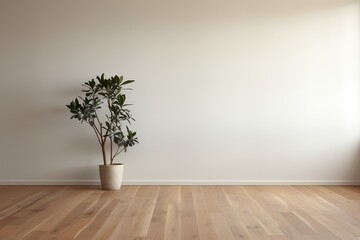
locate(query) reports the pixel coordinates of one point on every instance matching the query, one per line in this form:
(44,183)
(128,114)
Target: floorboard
(180,212)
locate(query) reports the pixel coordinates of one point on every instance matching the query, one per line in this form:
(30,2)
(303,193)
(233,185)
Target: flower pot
(111,176)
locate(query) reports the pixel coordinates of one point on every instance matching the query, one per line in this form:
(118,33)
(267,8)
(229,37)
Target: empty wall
(226,91)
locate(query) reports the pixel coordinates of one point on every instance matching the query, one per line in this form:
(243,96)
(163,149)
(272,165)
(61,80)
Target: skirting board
(185,182)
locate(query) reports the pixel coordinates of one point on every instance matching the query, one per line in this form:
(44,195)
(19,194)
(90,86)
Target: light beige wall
(237,90)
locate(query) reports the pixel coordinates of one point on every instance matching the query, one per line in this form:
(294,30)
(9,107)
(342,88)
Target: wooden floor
(180,212)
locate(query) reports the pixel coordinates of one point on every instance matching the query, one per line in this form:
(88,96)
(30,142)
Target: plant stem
(97,136)
(118,152)
(96,129)
(103,152)
(103,142)
(111,137)
(111,150)
(100,140)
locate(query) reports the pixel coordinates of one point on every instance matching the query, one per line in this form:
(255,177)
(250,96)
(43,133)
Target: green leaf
(121,99)
(127,82)
(92,83)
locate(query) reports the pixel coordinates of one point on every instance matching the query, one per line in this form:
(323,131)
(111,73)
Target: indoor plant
(111,128)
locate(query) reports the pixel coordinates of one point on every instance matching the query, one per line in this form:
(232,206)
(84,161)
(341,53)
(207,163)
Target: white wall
(226,90)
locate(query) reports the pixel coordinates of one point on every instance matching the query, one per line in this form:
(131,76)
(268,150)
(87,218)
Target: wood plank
(167,195)
(136,220)
(203,218)
(173,222)
(222,229)
(180,212)
(189,227)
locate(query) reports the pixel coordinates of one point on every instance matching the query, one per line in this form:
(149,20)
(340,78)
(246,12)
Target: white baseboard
(242,182)
(49,182)
(185,182)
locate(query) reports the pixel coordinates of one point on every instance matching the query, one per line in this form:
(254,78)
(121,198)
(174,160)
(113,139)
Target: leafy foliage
(107,92)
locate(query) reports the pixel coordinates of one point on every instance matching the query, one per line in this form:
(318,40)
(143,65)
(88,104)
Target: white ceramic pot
(111,176)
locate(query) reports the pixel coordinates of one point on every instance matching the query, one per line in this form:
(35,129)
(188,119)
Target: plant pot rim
(110,165)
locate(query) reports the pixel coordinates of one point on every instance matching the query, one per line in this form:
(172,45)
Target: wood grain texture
(180,212)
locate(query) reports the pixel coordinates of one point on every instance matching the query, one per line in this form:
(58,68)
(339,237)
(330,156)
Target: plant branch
(97,136)
(111,137)
(118,152)
(111,150)
(103,138)
(97,132)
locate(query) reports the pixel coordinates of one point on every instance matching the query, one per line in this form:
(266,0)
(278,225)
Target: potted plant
(111,128)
